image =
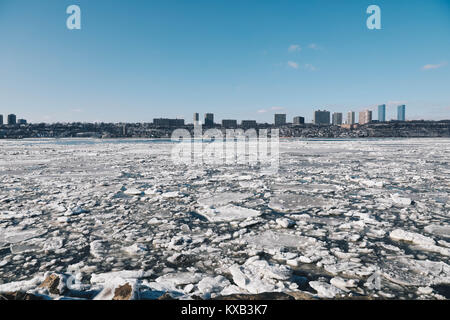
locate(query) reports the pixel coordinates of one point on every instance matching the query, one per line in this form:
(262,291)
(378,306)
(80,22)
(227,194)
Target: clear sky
(240,59)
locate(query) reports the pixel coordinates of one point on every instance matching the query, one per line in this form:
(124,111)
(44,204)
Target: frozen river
(341,218)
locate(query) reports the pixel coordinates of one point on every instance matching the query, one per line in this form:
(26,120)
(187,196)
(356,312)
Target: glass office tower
(382,113)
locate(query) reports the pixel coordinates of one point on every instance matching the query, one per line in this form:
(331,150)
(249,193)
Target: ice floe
(228,213)
(127,223)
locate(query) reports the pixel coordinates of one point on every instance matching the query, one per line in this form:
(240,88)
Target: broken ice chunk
(75,211)
(288,203)
(285,222)
(410,272)
(210,285)
(401,200)
(133,192)
(228,213)
(343,284)
(223,198)
(371,183)
(257,276)
(173,194)
(23,285)
(270,240)
(136,249)
(103,278)
(443,231)
(54,243)
(13,235)
(98,248)
(325,290)
(414,238)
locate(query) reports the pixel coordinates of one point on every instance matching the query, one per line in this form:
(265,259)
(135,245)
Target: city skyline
(236,60)
(279,119)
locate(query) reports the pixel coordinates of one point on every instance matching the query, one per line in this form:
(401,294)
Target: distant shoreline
(392,129)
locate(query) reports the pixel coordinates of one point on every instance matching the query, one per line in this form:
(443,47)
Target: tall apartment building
(382,113)
(209,119)
(351,119)
(299,120)
(401,110)
(337,118)
(280,119)
(365,117)
(11,119)
(196,120)
(1,119)
(322,117)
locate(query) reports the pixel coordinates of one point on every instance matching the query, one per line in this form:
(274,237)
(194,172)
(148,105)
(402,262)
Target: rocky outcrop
(54,284)
(124,292)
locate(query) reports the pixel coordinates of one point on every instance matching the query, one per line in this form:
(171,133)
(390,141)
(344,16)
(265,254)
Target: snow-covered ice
(341,218)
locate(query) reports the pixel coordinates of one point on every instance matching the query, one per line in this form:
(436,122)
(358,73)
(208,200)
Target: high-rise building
(280,120)
(382,113)
(11,119)
(337,118)
(401,110)
(1,119)
(229,124)
(196,119)
(299,120)
(247,124)
(365,117)
(209,120)
(351,119)
(322,117)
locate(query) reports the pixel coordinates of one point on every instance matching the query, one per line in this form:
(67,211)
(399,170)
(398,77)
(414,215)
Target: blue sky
(135,60)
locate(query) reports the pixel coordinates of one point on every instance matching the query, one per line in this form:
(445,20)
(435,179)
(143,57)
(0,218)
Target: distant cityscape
(320,118)
(323,125)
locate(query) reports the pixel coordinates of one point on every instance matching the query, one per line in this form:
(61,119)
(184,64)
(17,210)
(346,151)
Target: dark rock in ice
(54,284)
(123,292)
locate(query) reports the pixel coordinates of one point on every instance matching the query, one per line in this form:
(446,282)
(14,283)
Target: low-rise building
(247,124)
(228,123)
(162,122)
